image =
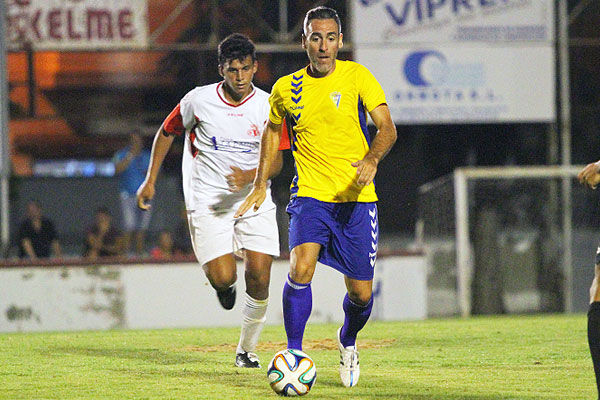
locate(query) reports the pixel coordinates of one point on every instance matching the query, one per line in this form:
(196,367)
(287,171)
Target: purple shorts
(347,232)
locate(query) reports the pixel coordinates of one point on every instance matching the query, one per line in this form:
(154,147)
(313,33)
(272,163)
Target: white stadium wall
(148,296)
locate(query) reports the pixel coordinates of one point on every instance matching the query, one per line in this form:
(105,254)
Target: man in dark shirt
(103,239)
(37,235)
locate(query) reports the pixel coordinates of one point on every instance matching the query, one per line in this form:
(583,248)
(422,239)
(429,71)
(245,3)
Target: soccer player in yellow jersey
(333,209)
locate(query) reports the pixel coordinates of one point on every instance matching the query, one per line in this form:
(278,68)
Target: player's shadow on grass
(203,367)
(150,355)
(183,365)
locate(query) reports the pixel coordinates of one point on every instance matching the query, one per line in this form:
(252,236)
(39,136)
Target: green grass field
(523,357)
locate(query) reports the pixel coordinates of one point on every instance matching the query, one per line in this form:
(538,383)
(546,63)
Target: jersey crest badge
(335,97)
(253,131)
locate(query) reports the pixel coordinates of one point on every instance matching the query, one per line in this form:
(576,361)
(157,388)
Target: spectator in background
(131,164)
(164,249)
(37,235)
(103,239)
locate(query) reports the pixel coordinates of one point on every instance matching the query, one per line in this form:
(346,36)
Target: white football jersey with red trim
(218,136)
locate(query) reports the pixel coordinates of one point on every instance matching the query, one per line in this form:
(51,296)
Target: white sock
(253,320)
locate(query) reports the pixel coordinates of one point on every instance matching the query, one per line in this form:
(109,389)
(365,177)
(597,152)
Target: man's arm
(122,165)
(382,143)
(239,178)
(160,148)
(590,175)
(267,164)
(134,150)
(94,244)
(28,247)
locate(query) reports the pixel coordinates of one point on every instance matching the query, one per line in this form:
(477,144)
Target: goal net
(507,240)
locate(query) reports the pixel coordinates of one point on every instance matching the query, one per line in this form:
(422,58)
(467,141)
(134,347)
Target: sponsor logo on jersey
(234,146)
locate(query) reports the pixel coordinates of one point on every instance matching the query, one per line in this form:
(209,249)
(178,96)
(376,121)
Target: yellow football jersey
(329,129)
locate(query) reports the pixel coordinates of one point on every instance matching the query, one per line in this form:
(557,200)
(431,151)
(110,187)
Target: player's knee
(301,273)
(223,284)
(258,277)
(221,279)
(360,297)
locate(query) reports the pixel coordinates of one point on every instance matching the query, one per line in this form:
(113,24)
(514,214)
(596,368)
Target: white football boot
(349,366)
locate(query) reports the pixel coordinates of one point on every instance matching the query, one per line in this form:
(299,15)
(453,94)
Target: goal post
(511,231)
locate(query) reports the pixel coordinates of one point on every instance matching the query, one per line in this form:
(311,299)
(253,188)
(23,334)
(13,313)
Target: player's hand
(365,171)
(590,175)
(255,198)
(144,194)
(238,179)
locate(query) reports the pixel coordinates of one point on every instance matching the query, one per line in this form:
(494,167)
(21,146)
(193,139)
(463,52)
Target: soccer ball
(291,373)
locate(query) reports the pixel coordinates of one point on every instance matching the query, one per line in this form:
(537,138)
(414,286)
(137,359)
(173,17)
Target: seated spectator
(37,235)
(164,249)
(103,239)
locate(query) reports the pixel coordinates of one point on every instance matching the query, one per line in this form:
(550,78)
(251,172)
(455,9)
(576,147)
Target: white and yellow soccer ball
(291,373)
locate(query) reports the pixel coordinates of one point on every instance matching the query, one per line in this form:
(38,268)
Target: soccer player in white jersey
(223,124)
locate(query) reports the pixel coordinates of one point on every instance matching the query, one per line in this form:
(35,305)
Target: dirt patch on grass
(308,345)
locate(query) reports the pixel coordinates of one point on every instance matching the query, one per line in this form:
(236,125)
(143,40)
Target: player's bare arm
(239,178)
(160,148)
(269,146)
(28,247)
(590,175)
(384,140)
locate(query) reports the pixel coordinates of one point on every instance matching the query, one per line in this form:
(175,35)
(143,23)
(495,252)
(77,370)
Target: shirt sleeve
(173,124)
(182,117)
(370,90)
(277,111)
(284,141)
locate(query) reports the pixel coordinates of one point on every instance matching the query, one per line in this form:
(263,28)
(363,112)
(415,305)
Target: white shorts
(214,235)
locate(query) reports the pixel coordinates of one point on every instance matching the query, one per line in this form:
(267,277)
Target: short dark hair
(322,12)
(103,210)
(235,47)
(35,201)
